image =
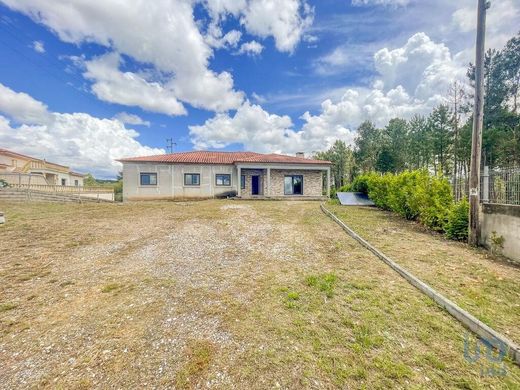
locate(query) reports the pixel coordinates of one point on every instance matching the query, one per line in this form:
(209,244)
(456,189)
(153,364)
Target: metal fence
(497,186)
(501,185)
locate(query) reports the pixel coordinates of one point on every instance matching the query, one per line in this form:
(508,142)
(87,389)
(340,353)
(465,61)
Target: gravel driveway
(214,294)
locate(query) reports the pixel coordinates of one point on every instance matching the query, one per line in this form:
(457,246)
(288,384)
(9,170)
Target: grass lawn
(224,294)
(486,286)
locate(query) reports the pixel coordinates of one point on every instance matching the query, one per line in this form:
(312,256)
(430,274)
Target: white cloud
(131,119)
(84,142)
(424,68)
(22,107)
(38,46)
(413,79)
(130,89)
(165,35)
(257,130)
(393,3)
(216,39)
(252,48)
(286,21)
(501,21)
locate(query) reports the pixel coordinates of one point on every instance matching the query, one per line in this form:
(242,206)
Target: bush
(360,184)
(415,195)
(3,183)
(457,226)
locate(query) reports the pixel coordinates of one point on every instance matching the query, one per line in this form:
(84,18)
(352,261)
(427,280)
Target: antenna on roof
(170,144)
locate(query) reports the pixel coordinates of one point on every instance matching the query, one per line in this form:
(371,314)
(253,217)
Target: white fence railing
(33,182)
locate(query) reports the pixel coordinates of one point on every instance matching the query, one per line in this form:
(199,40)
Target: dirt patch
(212,294)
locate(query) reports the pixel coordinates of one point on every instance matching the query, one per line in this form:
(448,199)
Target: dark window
(223,180)
(192,179)
(293,185)
(243,182)
(76,183)
(148,179)
(63,182)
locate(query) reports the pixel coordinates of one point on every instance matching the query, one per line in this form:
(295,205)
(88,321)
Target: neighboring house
(203,174)
(42,172)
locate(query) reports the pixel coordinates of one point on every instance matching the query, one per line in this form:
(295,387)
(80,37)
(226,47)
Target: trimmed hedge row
(417,195)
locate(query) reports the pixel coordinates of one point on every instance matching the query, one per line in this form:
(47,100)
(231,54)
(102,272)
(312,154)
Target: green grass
(7,307)
(111,287)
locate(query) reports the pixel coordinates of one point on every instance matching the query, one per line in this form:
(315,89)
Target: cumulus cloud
(38,46)
(424,68)
(131,119)
(258,130)
(284,20)
(130,89)
(252,48)
(165,34)
(502,20)
(84,142)
(394,3)
(22,107)
(412,80)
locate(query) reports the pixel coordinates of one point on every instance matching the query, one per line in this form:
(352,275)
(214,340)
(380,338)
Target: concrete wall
(505,221)
(170,181)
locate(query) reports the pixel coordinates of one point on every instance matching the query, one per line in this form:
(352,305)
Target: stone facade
(312,182)
(249,173)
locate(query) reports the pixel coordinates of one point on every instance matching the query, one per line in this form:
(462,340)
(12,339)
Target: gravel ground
(211,294)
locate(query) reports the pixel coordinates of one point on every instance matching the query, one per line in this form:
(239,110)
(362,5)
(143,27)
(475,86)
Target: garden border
(468,320)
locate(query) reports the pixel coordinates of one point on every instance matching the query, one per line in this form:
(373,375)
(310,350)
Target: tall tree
(419,143)
(342,160)
(368,143)
(395,143)
(440,127)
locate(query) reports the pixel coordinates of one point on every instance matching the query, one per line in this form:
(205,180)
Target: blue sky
(84,83)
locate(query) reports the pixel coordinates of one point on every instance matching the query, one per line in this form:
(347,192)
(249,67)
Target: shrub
(416,195)
(360,184)
(457,226)
(3,183)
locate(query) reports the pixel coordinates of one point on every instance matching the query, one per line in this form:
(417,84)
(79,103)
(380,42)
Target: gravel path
(210,294)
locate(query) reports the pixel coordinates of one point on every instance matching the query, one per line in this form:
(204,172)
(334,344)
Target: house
(15,167)
(205,174)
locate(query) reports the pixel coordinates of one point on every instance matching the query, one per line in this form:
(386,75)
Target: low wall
(19,195)
(504,220)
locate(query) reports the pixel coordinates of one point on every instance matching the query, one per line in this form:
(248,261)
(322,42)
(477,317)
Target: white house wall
(170,181)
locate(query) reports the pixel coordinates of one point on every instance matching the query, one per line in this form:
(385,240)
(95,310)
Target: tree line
(441,141)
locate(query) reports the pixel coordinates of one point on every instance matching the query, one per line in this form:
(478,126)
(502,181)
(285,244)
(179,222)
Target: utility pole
(170,144)
(476,138)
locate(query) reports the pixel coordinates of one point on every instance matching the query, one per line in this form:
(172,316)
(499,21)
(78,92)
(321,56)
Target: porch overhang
(268,166)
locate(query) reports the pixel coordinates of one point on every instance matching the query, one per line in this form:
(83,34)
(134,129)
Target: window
(192,179)
(148,179)
(76,183)
(293,185)
(243,182)
(63,182)
(223,180)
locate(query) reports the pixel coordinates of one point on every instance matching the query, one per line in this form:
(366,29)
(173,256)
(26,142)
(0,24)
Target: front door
(255,180)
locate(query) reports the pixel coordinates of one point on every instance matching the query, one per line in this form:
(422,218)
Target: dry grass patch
(478,281)
(214,294)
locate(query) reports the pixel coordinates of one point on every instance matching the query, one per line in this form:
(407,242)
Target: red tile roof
(205,157)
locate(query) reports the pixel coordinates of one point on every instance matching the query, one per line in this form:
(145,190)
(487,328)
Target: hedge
(417,195)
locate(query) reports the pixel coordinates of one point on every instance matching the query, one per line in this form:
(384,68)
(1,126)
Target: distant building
(42,171)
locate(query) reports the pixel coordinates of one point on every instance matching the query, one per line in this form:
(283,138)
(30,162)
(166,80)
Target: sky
(84,83)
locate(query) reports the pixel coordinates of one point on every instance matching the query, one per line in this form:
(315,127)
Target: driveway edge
(468,320)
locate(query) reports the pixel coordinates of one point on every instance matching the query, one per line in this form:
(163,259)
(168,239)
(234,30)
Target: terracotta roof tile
(206,157)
